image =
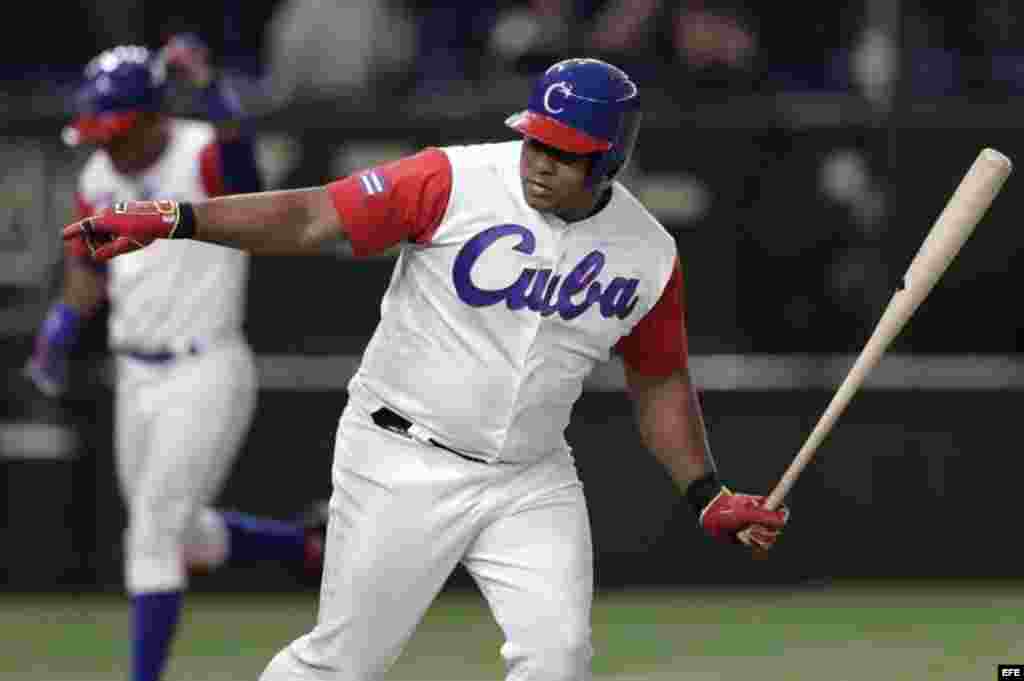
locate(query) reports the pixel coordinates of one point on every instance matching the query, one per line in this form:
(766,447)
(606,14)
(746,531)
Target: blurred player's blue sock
(154,620)
(253,538)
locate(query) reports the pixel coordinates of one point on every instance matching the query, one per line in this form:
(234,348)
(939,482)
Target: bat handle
(774,499)
(866,361)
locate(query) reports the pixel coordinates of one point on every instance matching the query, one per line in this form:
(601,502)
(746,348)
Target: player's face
(138,147)
(554,181)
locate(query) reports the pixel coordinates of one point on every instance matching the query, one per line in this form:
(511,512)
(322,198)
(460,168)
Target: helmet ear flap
(607,165)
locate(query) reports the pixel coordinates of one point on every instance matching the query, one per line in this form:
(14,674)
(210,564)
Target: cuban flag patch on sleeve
(373,182)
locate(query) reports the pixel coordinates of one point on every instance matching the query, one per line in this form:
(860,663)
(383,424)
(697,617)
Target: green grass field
(837,632)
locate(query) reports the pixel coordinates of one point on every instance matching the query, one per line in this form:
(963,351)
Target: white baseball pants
(404,514)
(179,426)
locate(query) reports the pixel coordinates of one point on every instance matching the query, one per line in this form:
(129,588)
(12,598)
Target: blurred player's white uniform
(186,382)
(494,316)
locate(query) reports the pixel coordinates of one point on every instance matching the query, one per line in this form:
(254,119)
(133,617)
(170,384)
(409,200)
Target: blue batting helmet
(584,106)
(117,85)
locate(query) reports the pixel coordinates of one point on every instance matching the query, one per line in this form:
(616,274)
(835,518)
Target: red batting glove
(128,226)
(742,518)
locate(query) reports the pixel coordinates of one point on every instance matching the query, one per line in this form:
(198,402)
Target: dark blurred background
(798,156)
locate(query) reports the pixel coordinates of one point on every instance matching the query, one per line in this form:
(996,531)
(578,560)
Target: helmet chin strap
(604,197)
(602,181)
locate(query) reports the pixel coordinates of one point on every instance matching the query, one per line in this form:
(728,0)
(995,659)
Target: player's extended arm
(671,423)
(401,201)
(188,57)
(186,54)
(284,221)
(288,221)
(83,292)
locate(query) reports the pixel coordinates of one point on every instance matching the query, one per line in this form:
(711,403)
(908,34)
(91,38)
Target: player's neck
(599,201)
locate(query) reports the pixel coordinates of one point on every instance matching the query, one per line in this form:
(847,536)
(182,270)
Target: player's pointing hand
(128,226)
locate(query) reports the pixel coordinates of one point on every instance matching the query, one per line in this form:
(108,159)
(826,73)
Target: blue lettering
(536,302)
(616,298)
(542,291)
(461,270)
(584,273)
(515,295)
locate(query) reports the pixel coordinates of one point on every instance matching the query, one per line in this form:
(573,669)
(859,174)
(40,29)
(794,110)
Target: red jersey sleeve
(657,345)
(229,167)
(400,201)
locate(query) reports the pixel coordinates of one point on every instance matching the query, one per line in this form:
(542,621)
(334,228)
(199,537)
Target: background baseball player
(186,385)
(523,264)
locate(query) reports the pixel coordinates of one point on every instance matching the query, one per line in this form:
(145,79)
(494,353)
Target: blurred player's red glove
(187,53)
(736,518)
(128,226)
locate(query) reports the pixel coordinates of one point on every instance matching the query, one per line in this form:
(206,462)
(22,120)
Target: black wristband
(186,228)
(702,490)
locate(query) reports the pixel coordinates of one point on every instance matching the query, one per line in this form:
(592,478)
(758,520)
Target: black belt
(389,420)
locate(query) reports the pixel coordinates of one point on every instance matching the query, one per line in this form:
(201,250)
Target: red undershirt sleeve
(657,345)
(210,170)
(400,201)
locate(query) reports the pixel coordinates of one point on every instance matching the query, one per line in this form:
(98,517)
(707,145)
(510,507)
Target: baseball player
(186,386)
(522,265)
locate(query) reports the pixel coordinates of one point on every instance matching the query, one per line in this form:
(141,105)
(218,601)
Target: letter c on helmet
(561,87)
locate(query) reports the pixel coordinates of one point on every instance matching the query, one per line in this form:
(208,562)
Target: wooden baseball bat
(963,211)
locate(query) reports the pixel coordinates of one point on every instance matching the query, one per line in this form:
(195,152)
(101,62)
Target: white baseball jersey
(494,316)
(496,312)
(172,293)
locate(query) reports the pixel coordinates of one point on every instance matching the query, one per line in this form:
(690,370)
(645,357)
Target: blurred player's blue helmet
(117,85)
(584,106)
